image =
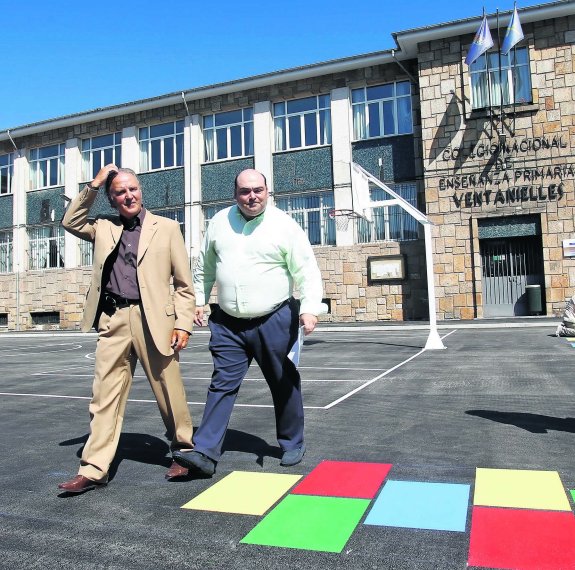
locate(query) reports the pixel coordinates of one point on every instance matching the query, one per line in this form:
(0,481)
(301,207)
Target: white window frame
(52,163)
(383,228)
(6,250)
(148,146)
(218,124)
(486,88)
(284,119)
(45,251)
(294,206)
(362,102)
(96,153)
(6,173)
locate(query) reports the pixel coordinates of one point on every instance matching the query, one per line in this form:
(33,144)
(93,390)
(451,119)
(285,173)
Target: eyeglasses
(247,191)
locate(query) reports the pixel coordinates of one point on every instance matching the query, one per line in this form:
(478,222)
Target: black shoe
(293,456)
(195,461)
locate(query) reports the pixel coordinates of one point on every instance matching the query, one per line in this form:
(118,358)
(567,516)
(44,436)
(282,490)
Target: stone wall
(481,164)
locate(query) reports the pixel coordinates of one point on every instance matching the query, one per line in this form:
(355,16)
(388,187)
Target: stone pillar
(20,185)
(72,177)
(195,168)
(130,149)
(341,156)
(263,143)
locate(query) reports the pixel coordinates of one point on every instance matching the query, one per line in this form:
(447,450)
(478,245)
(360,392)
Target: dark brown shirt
(123,278)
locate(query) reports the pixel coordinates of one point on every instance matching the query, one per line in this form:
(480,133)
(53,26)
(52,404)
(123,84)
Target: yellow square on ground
(244,493)
(522,489)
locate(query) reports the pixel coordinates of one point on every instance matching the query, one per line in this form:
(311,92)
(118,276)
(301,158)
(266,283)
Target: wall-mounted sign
(569,247)
(385,268)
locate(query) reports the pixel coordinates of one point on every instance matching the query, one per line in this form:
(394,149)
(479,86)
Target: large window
(5,252)
(390,223)
(6,172)
(310,211)
(229,134)
(510,80)
(162,146)
(174,214)
(212,210)
(99,151)
(382,110)
(47,166)
(46,247)
(302,122)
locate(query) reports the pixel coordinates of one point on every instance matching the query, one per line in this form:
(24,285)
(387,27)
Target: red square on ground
(344,479)
(522,538)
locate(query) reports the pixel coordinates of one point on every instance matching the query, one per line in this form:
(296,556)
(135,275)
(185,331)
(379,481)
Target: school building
(485,151)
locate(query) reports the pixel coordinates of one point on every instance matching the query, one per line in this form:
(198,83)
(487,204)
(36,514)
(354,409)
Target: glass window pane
(324,101)
(118,160)
(518,56)
(168,152)
(3,182)
(96,163)
(104,140)
(108,156)
(404,122)
(228,118)
(380,92)
(325,127)
(294,132)
(388,118)
(144,132)
(208,121)
(314,227)
(156,154)
(301,105)
(48,151)
(403,88)
(280,133)
(358,95)
(179,126)
(248,114)
(374,120)
(279,109)
(179,150)
(222,143)
(86,144)
(248,139)
(162,130)
(236,140)
(53,172)
(522,85)
(310,126)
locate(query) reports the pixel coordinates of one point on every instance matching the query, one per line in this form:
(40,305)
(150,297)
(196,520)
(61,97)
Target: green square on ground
(310,523)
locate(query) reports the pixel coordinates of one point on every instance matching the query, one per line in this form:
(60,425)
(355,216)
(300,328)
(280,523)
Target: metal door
(508,265)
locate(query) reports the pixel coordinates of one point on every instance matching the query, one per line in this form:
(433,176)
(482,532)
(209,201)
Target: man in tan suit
(138,257)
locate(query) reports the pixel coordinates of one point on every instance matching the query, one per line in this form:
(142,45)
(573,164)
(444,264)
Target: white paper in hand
(295,350)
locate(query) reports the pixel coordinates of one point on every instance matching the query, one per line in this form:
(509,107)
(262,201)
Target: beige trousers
(123,339)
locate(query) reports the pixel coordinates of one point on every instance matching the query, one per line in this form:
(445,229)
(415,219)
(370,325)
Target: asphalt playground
(416,459)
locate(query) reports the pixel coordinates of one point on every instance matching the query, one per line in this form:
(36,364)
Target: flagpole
(514,76)
(500,77)
(489,92)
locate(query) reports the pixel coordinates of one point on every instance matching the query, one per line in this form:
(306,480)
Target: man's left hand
(308,321)
(179,339)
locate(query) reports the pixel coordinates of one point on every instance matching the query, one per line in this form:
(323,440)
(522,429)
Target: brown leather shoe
(176,471)
(80,484)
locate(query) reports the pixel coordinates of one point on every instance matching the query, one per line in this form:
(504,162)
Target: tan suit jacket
(161,256)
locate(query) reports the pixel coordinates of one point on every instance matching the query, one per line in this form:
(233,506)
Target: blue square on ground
(410,504)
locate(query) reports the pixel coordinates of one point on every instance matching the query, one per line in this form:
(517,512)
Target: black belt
(111,302)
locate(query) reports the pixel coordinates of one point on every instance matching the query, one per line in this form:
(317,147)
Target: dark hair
(110,178)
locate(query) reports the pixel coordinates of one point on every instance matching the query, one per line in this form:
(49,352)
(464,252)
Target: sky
(66,57)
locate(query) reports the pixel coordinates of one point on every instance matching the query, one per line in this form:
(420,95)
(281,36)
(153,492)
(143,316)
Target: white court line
(38,350)
(142,401)
(359,388)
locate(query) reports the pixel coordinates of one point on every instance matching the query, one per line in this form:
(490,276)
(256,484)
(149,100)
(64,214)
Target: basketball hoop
(341,217)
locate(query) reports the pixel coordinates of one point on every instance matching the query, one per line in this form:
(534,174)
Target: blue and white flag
(514,33)
(481,42)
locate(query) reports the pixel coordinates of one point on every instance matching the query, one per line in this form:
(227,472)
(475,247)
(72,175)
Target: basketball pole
(434,341)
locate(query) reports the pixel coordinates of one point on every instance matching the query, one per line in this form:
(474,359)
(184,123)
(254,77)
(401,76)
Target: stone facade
(481,166)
